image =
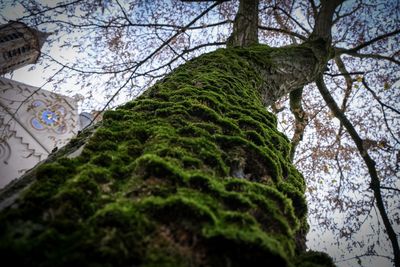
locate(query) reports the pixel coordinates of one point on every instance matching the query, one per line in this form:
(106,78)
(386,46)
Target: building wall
(19,46)
(33,122)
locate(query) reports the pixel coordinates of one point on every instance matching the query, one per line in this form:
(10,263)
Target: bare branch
(292,18)
(375,182)
(124,12)
(313,8)
(382,108)
(203,45)
(114,24)
(348,79)
(324,20)
(302,37)
(301,118)
(380,37)
(338,17)
(150,56)
(368,254)
(390,188)
(340,51)
(33,14)
(364,82)
(342,74)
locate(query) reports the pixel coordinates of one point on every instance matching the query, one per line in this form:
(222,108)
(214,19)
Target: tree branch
(295,102)
(324,21)
(340,51)
(151,55)
(291,18)
(375,182)
(49,9)
(348,79)
(338,17)
(294,34)
(383,36)
(124,12)
(341,74)
(301,119)
(390,188)
(364,82)
(383,105)
(313,8)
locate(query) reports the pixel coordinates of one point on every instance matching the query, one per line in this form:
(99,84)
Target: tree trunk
(245,26)
(192,173)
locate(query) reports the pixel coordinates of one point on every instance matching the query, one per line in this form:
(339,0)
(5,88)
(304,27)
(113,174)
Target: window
(15,52)
(11,36)
(17,35)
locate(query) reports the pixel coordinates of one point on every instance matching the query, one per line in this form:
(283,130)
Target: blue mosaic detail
(49,117)
(37,124)
(37,103)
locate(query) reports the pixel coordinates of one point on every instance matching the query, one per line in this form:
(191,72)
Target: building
(20,45)
(33,122)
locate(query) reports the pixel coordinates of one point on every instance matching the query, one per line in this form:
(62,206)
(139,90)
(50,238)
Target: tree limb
(49,9)
(364,82)
(295,34)
(348,79)
(324,21)
(313,8)
(383,36)
(292,18)
(390,188)
(375,182)
(383,105)
(150,56)
(339,51)
(301,119)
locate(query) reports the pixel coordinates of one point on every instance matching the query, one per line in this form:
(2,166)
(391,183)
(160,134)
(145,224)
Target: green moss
(186,211)
(50,177)
(154,185)
(297,197)
(149,166)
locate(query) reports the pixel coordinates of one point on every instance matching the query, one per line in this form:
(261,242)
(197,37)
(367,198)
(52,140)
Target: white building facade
(33,122)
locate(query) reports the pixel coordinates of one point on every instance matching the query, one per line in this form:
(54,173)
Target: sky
(39,75)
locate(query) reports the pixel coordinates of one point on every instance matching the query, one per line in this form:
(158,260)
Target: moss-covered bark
(193,173)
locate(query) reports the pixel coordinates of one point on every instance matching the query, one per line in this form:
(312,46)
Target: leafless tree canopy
(345,128)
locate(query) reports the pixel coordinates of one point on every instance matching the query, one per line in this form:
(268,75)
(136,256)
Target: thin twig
(390,188)
(150,56)
(295,34)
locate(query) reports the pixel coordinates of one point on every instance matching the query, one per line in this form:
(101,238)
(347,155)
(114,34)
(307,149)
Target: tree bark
(323,23)
(245,25)
(193,173)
